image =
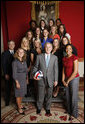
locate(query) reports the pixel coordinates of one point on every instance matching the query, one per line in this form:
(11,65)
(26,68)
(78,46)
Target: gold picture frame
(33,12)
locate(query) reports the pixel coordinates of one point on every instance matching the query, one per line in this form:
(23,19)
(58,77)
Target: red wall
(72,15)
(18,15)
(4,24)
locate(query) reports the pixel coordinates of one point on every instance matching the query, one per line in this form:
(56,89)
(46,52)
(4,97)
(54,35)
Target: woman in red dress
(70,79)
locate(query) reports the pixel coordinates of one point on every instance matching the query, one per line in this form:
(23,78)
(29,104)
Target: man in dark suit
(7,58)
(48,64)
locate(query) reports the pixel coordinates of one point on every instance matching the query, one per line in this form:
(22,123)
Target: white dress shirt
(11,51)
(47,61)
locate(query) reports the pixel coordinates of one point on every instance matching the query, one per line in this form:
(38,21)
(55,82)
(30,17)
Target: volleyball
(38,74)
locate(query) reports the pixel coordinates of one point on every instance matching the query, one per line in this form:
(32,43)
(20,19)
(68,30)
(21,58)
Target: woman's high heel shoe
(55,94)
(21,111)
(22,107)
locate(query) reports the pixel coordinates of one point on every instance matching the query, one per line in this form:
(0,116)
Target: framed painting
(45,11)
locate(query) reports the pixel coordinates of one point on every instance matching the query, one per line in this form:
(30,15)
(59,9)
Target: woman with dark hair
(38,35)
(62,31)
(29,36)
(64,42)
(42,26)
(57,52)
(50,24)
(70,79)
(46,38)
(34,52)
(33,26)
(58,22)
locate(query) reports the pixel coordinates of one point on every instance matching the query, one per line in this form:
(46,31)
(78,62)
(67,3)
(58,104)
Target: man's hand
(35,78)
(55,83)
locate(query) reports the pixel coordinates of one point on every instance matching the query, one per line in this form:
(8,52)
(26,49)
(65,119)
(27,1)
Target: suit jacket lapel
(44,60)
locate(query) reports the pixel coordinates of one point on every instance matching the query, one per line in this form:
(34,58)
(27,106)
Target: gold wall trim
(81,59)
(57,9)
(33,17)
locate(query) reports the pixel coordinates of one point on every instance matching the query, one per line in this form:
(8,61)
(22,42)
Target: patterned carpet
(9,114)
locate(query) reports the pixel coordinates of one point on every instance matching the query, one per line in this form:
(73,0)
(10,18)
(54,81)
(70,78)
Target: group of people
(49,49)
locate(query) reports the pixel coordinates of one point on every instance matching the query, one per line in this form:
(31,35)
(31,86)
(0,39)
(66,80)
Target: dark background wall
(15,17)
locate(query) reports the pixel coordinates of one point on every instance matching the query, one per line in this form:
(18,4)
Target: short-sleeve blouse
(68,63)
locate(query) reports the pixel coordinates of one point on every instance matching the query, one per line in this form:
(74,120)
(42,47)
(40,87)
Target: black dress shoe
(48,112)
(23,108)
(65,112)
(22,113)
(38,111)
(70,118)
(6,104)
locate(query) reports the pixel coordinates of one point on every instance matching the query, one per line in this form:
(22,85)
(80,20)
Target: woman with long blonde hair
(29,36)
(36,51)
(25,44)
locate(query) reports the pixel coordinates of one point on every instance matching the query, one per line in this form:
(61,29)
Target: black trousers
(8,87)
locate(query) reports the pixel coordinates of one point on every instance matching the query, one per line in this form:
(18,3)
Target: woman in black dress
(64,42)
(38,35)
(20,77)
(57,51)
(42,26)
(36,51)
(29,36)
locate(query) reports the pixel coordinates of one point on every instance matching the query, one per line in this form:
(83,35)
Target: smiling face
(37,43)
(29,35)
(45,33)
(61,29)
(33,25)
(64,41)
(56,43)
(58,22)
(69,50)
(42,23)
(38,31)
(25,43)
(11,45)
(48,48)
(50,23)
(53,29)
(20,53)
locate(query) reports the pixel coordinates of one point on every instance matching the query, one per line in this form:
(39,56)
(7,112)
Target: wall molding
(81,59)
